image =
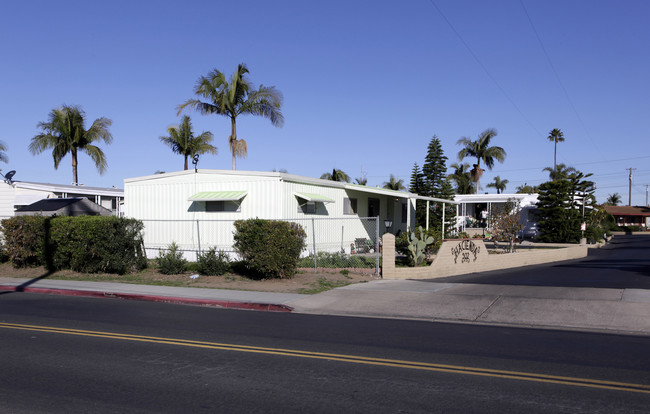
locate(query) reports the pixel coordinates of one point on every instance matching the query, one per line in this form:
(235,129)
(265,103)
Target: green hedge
(269,248)
(87,244)
(24,240)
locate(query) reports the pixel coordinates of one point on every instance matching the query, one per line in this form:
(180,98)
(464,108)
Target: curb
(269,307)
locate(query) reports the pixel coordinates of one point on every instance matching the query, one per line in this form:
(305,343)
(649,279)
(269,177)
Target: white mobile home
(196,209)
(17,194)
(475,210)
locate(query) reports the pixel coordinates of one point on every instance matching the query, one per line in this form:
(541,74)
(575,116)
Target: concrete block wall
(462,256)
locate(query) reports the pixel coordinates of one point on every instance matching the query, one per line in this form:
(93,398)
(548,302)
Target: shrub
(84,244)
(269,248)
(25,239)
(402,244)
(337,260)
(171,261)
(94,244)
(213,262)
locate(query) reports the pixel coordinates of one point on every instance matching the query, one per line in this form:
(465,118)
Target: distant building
(630,215)
(476,210)
(77,206)
(17,194)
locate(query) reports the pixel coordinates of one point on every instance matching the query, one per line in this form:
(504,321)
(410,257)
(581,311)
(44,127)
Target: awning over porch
(218,196)
(311,197)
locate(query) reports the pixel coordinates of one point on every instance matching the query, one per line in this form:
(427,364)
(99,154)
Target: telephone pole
(629,199)
(646,196)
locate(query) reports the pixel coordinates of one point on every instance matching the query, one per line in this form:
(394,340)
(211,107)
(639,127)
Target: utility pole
(646,196)
(629,200)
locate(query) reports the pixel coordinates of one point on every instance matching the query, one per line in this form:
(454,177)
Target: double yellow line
(455,369)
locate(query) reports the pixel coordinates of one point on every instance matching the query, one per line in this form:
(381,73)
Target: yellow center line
(457,369)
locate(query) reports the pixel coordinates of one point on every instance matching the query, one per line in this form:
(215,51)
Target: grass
(322,285)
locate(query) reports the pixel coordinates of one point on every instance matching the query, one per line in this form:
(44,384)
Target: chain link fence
(332,243)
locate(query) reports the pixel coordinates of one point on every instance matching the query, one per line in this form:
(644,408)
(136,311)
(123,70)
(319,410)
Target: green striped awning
(218,196)
(314,197)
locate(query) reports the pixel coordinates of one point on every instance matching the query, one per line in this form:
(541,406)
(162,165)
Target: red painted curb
(153,298)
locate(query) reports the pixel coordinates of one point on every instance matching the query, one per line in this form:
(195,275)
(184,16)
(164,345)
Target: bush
(171,262)
(84,244)
(94,244)
(25,239)
(213,262)
(337,260)
(269,248)
(402,244)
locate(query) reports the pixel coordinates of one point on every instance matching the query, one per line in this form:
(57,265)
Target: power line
(483,67)
(559,81)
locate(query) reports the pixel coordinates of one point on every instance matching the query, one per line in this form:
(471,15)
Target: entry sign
(583,226)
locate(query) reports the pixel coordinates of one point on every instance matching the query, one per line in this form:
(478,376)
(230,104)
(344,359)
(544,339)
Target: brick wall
(462,256)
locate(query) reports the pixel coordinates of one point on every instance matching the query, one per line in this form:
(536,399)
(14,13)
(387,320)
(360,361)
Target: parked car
(530,231)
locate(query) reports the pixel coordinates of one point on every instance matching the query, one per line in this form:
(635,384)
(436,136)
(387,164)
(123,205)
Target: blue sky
(366,84)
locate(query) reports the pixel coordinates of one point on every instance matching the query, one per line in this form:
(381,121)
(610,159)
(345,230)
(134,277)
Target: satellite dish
(10,175)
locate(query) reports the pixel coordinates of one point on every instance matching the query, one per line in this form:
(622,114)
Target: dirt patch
(306,281)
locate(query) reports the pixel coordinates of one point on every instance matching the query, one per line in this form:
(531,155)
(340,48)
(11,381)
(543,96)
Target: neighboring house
(77,206)
(197,208)
(475,211)
(630,215)
(16,194)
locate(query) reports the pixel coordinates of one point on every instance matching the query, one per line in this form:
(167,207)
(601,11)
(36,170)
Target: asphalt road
(623,264)
(69,354)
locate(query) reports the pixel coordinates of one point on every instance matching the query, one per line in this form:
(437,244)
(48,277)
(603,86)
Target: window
(404,213)
(307,208)
(373,207)
(222,206)
(349,206)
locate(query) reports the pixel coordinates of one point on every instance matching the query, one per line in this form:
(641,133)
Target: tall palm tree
(613,199)
(65,133)
(336,175)
(462,178)
(499,184)
(235,97)
(527,189)
(361,181)
(559,171)
(3,152)
(394,184)
(182,141)
(482,150)
(555,136)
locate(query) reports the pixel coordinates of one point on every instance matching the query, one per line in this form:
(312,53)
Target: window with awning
(313,198)
(218,196)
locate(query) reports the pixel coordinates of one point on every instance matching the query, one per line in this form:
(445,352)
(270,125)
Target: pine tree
(416,186)
(434,168)
(560,205)
(436,184)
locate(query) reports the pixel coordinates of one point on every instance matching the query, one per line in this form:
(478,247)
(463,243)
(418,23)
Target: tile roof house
(630,215)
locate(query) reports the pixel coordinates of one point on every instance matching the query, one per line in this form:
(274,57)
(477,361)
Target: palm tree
(232,98)
(394,184)
(182,141)
(361,181)
(336,175)
(613,199)
(482,150)
(499,184)
(462,178)
(3,152)
(559,172)
(555,136)
(527,189)
(65,133)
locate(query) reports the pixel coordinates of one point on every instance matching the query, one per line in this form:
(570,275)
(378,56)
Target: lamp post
(388,223)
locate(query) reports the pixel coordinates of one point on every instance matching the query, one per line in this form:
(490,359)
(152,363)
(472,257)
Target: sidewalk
(625,311)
